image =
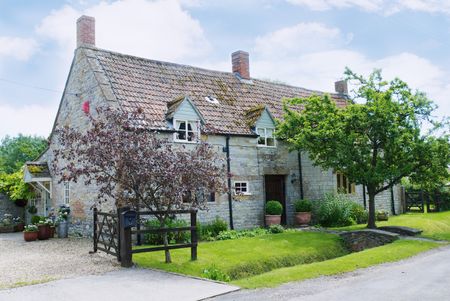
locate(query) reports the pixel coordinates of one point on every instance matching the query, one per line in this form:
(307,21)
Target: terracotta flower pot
(52,232)
(43,232)
(19,227)
(30,236)
(273,220)
(302,218)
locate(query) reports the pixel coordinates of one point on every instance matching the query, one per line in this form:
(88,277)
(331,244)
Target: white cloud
(155,29)
(301,38)
(17,48)
(323,61)
(383,6)
(29,120)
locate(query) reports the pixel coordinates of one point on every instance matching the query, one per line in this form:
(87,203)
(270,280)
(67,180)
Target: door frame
(283,191)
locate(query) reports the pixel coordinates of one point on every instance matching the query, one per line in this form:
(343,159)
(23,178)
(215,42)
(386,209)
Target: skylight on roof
(211,99)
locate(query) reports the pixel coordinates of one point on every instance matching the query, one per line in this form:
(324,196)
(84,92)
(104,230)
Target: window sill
(185,141)
(266,146)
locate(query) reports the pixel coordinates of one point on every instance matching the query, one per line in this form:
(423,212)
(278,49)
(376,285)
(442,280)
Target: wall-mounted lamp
(293,178)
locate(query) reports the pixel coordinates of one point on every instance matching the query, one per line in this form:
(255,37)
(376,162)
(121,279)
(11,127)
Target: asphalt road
(424,277)
(125,284)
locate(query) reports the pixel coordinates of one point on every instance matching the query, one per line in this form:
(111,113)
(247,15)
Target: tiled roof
(151,85)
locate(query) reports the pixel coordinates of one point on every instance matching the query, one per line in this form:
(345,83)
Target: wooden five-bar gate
(113,233)
(419,200)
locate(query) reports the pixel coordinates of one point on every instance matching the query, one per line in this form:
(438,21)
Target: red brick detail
(85,31)
(240,62)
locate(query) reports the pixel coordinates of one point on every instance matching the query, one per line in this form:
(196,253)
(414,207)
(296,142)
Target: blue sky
(302,42)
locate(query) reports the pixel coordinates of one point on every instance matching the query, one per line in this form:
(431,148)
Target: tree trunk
(371,223)
(167,252)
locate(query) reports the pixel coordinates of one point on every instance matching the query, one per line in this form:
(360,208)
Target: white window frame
(66,192)
(196,132)
(265,137)
(247,185)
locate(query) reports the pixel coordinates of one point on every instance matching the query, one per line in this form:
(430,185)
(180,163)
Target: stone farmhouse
(230,110)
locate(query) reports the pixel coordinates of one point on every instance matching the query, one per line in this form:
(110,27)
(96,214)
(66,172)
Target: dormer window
(186,131)
(266,137)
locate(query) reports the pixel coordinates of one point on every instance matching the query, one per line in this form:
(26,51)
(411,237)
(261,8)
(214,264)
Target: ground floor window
(241,187)
(66,192)
(343,184)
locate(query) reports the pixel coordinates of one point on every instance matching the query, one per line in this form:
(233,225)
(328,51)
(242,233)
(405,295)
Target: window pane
(212,197)
(269,132)
(270,141)
(261,141)
(181,127)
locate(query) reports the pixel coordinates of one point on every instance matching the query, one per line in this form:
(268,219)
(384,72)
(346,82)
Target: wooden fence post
(125,241)
(194,240)
(95,229)
(138,228)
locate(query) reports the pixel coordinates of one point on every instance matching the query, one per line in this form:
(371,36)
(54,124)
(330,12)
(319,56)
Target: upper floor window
(343,184)
(187,131)
(266,137)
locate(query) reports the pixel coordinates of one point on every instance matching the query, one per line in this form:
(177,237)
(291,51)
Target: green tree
(15,151)
(376,143)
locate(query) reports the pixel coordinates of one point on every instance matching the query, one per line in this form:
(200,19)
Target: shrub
(234,234)
(359,214)
(303,206)
(274,208)
(334,211)
(275,229)
(173,237)
(35,219)
(211,230)
(214,273)
(30,228)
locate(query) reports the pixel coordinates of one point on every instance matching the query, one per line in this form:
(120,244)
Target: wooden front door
(275,190)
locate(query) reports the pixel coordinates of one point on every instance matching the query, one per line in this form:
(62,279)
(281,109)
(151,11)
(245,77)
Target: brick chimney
(240,62)
(85,31)
(341,87)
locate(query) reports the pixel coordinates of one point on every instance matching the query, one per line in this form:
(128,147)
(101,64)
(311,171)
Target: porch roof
(37,172)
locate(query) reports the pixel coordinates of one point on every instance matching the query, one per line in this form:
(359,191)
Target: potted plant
(21,202)
(303,212)
(43,229)
(32,209)
(18,224)
(382,215)
(6,224)
(62,221)
(274,209)
(30,233)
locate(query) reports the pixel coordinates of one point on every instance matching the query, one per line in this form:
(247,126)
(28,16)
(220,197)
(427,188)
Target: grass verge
(393,252)
(245,257)
(434,225)
(26,283)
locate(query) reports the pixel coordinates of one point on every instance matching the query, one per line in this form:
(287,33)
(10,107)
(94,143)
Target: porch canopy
(38,175)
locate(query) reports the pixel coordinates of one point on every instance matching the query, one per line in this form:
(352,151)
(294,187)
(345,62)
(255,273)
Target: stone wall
(8,207)
(356,241)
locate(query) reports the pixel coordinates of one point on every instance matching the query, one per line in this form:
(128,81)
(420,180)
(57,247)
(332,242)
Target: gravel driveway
(40,261)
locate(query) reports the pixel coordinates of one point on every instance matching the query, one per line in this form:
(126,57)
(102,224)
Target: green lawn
(388,253)
(244,257)
(434,225)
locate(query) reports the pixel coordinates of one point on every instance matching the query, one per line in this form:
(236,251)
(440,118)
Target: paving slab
(127,284)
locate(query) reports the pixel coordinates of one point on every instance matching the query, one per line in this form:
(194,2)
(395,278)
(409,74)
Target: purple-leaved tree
(134,166)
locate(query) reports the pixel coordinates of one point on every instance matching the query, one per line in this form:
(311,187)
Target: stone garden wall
(8,207)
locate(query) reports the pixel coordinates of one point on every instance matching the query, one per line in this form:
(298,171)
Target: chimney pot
(85,31)
(240,63)
(341,87)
